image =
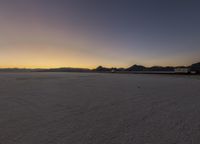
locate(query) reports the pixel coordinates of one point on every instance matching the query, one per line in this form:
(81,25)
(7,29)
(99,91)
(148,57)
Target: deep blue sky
(88,33)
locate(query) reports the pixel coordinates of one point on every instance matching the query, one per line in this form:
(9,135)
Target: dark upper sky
(87,33)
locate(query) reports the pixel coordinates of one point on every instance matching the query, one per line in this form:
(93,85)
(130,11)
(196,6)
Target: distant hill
(64,70)
(104,69)
(195,67)
(154,68)
(135,68)
(45,70)
(15,70)
(140,68)
(160,68)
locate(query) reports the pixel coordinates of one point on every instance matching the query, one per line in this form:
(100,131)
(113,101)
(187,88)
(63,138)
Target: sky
(89,33)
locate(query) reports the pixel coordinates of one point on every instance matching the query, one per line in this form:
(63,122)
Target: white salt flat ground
(83,108)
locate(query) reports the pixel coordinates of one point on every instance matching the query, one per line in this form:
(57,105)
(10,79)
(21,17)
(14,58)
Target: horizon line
(90,68)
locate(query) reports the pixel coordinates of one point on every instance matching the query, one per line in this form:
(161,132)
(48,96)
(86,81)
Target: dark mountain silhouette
(15,70)
(64,70)
(154,68)
(195,67)
(136,68)
(160,68)
(45,70)
(104,69)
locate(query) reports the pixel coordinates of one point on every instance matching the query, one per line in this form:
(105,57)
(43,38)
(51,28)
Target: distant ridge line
(192,69)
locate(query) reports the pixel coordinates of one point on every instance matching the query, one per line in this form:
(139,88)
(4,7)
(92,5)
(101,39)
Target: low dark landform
(99,108)
(192,69)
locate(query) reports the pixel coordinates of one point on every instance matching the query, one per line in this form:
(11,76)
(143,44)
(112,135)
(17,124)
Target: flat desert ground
(89,108)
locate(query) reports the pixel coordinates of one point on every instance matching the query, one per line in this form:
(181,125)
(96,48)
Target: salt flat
(83,108)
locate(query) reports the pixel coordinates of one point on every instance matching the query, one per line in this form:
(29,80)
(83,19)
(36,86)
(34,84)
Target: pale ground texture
(83,108)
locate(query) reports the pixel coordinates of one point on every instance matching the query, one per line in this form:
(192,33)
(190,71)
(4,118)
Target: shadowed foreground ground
(80,108)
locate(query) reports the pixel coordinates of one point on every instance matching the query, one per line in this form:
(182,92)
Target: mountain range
(135,68)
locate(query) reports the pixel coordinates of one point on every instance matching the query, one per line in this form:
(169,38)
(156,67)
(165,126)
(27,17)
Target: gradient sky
(88,33)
